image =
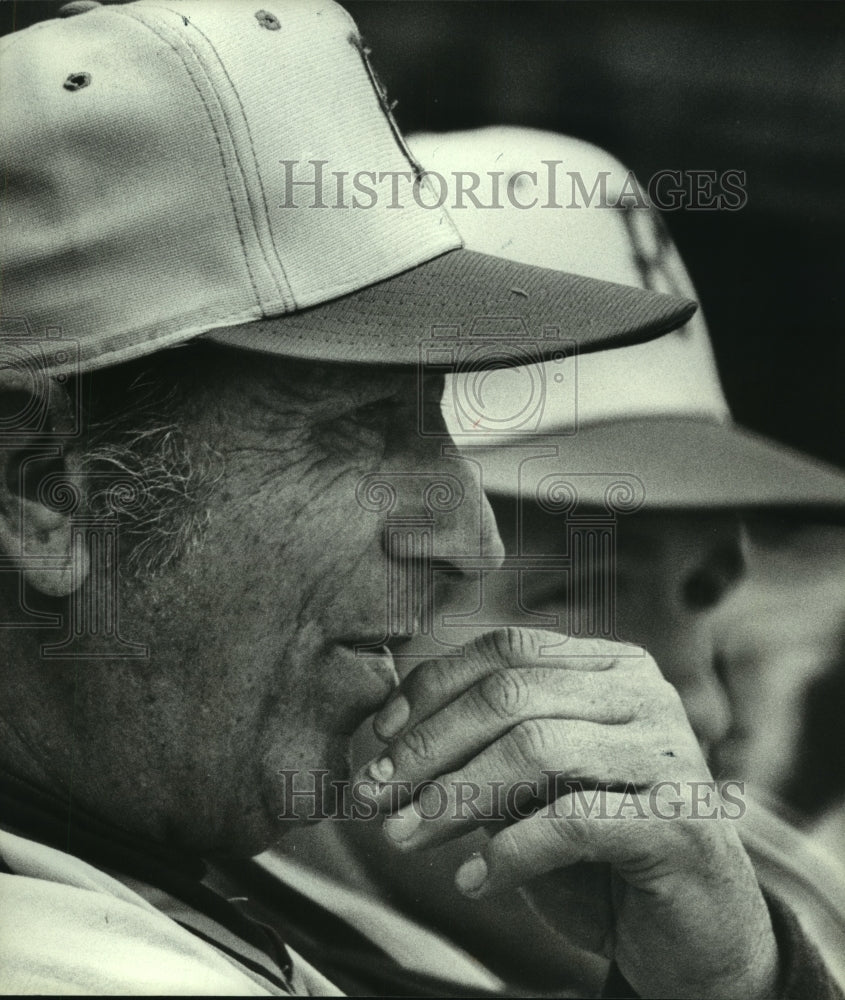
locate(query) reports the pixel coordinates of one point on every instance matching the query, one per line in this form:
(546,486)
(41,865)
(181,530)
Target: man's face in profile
(252,632)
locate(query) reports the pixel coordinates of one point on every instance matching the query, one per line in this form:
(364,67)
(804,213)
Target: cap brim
(485,310)
(683,464)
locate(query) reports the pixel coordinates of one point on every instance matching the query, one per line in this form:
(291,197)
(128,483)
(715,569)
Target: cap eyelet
(76,81)
(267,20)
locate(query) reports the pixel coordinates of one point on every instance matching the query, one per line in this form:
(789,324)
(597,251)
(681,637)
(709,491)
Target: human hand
(631,859)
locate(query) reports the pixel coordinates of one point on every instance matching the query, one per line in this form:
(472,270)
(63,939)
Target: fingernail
(381,770)
(472,875)
(392,717)
(401,825)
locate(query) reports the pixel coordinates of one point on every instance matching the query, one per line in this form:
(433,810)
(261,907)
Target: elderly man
(207,380)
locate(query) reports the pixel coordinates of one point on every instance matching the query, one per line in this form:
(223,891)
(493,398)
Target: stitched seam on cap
(386,109)
(126,12)
(286,293)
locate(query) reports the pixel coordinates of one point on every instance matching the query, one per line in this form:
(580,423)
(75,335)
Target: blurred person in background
(815,784)
(782,641)
(621,518)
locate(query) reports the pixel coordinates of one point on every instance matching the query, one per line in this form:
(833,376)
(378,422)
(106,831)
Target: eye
(709,585)
(703,590)
(362,429)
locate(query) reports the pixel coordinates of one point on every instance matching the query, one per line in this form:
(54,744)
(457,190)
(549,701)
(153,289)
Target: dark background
(754,86)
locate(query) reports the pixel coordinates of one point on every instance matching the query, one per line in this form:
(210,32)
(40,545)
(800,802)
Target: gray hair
(133,431)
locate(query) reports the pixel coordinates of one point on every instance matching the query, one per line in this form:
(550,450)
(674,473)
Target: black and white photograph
(422,503)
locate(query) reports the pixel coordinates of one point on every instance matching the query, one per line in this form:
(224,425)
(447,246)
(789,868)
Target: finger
(689,917)
(504,698)
(652,848)
(435,683)
(543,843)
(531,765)
(497,702)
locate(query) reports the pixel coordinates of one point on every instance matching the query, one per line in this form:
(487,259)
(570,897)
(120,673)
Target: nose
(706,701)
(683,646)
(701,588)
(439,534)
(679,582)
(466,536)
(434,501)
(438,529)
(441,490)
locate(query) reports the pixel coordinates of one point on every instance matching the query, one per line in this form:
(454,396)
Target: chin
(301,788)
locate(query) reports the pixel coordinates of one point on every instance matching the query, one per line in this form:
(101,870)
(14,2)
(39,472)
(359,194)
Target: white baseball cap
(654,411)
(173,169)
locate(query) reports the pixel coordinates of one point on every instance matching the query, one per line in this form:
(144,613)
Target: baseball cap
(226,168)
(654,411)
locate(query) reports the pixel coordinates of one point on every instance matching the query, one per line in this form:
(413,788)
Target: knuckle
(660,704)
(506,644)
(560,832)
(417,744)
(641,667)
(425,678)
(505,693)
(658,701)
(633,699)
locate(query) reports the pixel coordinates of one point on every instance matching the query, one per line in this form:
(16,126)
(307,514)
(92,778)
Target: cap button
(267,20)
(76,81)
(78,7)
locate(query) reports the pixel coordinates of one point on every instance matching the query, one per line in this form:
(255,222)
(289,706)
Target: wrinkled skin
(251,668)
(680,889)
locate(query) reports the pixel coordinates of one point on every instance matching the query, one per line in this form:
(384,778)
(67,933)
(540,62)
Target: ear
(38,472)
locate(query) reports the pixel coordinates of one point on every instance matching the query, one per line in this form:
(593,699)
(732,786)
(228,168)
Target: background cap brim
(683,464)
(487,310)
